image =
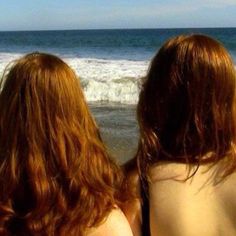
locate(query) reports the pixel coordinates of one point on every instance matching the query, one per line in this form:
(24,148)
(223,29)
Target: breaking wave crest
(102,80)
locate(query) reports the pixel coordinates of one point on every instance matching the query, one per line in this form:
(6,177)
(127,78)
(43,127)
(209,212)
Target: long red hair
(186,109)
(56,177)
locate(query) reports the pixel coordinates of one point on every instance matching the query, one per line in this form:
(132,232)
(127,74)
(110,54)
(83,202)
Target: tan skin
(198,206)
(115,224)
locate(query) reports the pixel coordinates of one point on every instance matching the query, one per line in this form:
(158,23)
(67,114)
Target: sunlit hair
(56,177)
(186,109)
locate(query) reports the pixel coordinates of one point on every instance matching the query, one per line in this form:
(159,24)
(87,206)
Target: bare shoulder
(115,224)
(174,200)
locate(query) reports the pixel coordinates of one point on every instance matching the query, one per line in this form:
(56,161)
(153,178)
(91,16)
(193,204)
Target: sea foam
(102,80)
(110,80)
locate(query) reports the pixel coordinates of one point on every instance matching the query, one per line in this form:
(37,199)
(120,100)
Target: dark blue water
(136,44)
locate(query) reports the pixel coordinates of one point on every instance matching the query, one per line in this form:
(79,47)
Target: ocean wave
(6,59)
(102,80)
(110,80)
(123,90)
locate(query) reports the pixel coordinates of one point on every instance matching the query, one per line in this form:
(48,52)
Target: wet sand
(118,128)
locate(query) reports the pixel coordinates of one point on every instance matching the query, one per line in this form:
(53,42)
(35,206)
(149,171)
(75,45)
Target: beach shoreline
(110,65)
(118,127)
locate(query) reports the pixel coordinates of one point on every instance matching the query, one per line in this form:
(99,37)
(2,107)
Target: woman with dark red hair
(186,158)
(56,177)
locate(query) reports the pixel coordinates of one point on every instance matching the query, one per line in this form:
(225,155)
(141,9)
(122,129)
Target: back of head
(56,177)
(186,110)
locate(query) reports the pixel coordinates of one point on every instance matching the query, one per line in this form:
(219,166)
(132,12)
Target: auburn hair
(56,177)
(186,108)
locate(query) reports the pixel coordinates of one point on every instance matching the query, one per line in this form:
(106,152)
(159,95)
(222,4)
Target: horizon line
(151,28)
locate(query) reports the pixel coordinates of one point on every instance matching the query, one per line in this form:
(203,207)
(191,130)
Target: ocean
(110,65)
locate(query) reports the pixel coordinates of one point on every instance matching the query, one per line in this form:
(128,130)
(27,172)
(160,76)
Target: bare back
(194,207)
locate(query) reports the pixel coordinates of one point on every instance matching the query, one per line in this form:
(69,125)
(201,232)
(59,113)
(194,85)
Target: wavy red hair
(56,177)
(186,109)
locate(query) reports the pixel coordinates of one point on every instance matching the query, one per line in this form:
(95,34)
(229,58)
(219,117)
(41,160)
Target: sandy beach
(118,128)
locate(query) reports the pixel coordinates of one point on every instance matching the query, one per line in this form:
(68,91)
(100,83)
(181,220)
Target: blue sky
(100,14)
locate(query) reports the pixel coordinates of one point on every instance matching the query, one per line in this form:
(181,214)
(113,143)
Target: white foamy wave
(6,58)
(110,80)
(123,90)
(102,80)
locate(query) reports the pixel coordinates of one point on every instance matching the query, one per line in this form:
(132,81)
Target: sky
(111,14)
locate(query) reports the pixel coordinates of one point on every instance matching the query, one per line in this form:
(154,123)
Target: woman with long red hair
(56,177)
(186,158)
